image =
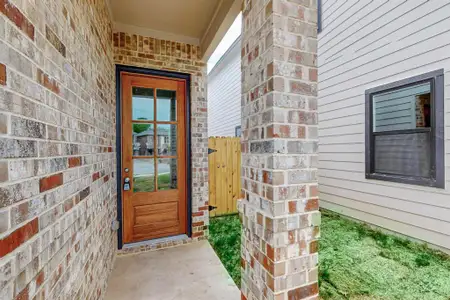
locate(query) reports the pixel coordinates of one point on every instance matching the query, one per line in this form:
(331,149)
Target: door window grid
(164,175)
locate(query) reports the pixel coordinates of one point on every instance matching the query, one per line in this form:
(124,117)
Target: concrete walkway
(186,272)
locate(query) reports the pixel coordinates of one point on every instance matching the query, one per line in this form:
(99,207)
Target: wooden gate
(224,174)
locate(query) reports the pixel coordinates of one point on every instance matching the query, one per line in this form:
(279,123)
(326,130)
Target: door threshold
(168,239)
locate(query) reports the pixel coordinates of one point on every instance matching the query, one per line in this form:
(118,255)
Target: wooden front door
(153,157)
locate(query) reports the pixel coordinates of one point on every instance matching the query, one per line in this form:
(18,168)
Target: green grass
(357,262)
(225,237)
(147,183)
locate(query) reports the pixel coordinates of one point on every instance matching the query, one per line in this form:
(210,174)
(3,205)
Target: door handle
(126,184)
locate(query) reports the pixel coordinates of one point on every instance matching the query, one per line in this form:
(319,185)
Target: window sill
(405,179)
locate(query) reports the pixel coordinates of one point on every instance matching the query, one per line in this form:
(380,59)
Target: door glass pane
(143,175)
(166,139)
(403,108)
(143,104)
(166,105)
(167,174)
(143,139)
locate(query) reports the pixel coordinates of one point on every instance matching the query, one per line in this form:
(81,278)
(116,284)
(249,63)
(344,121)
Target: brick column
(279,150)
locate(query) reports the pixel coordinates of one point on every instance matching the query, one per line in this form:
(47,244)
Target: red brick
(68,258)
(270,132)
(313,191)
(301,132)
(244,147)
(313,76)
(256,52)
(302,117)
(312,204)
(268,265)
(197,214)
(18,237)
(313,247)
(56,276)
(46,81)
(40,279)
(292,207)
(14,14)
(291,236)
(74,162)
(106,178)
(270,283)
(259,218)
(243,297)
(95,176)
(302,246)
(197,224)
(24,294)
(300,88)
(269,8)
(267,177)
(197,234)
(316,232)
(50,182)
(203,208)
(304,292)
(270,252)
(269,223)
(77,247)
(2,74)
(270,70)
(242,263)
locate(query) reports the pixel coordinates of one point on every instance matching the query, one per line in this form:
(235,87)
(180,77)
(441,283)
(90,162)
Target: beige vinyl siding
(224,93)
(365,44)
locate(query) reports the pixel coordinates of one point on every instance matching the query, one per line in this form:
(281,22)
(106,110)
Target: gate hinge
(211,208)
(210,150)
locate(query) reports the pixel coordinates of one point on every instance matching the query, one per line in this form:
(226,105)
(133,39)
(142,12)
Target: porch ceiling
(198,22)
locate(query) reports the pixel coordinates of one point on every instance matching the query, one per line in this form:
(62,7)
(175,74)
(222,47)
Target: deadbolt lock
(126,185)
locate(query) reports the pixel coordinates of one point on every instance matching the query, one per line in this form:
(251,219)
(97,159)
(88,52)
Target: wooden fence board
(238,172)
(224,174)
(212,173)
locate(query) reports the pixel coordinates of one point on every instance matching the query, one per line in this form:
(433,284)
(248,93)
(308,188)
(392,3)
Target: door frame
(163,74)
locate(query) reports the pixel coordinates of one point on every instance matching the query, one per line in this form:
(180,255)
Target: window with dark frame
(405,131)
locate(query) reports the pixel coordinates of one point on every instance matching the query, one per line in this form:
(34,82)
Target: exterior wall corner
(280,205)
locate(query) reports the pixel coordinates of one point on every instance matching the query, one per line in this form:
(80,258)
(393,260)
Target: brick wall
(279,150)
(147,52)
(57,160)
